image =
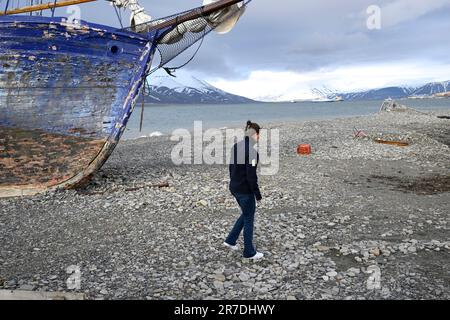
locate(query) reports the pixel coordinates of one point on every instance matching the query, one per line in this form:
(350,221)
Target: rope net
(182,37)
(178,38)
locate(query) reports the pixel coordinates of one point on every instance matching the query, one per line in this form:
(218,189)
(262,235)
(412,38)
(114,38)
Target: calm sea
(166,118)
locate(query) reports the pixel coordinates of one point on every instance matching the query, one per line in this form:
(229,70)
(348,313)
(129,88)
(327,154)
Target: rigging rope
(53,9)
(142,105)
(118,16)
(174,46)
(171,70)
(7,5)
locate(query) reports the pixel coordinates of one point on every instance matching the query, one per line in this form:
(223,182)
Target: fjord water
(166,118)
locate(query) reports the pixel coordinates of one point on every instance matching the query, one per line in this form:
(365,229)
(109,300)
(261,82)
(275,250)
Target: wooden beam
(39,295)
(194,14)
(46,6)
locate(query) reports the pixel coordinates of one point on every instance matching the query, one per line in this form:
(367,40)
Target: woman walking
(244,187)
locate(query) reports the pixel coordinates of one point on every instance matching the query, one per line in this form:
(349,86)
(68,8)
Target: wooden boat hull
(66,94)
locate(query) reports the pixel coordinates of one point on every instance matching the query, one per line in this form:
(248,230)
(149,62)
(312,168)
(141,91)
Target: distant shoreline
(296,102)
(263,122)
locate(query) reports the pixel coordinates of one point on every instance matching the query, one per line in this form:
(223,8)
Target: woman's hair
(252,126)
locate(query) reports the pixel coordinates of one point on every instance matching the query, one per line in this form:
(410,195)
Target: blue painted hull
(66,94)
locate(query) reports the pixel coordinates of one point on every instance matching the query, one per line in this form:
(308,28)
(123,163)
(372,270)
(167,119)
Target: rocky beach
(356,219)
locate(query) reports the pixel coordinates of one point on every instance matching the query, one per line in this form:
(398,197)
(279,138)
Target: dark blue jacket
(243,163)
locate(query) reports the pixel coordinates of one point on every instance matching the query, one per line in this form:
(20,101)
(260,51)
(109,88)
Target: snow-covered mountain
(428,90)
(379,94)
(324,94)
(186,89)
(432,89)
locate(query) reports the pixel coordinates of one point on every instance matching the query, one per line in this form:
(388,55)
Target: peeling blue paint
(80,81)
(66,79)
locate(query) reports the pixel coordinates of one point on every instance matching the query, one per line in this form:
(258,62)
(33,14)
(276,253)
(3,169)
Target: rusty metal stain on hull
(35,158)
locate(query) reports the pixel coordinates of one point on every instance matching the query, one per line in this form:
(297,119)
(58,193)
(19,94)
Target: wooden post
(142,106)
(46,6)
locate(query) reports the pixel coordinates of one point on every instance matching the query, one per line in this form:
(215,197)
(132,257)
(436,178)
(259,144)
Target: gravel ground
(147,229)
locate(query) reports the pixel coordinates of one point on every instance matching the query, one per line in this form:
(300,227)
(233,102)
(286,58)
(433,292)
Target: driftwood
(39,295)
(395,143)
(157,185)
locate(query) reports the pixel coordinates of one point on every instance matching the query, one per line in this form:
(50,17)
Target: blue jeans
(246,221)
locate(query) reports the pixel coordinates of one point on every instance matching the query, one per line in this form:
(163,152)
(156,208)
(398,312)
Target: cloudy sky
(284,48)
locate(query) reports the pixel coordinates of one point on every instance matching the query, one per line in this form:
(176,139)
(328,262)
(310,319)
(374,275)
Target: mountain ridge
(189,90)
(425,91)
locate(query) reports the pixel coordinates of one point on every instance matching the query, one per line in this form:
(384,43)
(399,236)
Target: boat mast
(46,6)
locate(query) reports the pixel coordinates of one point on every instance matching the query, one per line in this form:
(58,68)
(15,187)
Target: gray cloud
(308,35)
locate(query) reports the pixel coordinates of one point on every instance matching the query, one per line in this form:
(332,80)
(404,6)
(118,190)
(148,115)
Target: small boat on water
(68,88)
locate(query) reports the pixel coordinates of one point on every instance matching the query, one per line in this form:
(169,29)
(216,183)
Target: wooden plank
(46,6)
(39,295)
(194,14)
(394,143)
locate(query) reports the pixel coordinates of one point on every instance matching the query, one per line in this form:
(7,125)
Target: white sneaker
(257,256)
(234,248)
